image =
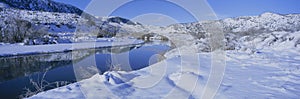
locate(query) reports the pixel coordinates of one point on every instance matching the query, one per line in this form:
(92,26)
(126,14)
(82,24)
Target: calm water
(16,72)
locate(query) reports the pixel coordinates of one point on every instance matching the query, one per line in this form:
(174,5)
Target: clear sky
(222,8)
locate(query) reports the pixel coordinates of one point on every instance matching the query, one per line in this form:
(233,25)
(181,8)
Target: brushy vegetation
(41,85)
(13,30)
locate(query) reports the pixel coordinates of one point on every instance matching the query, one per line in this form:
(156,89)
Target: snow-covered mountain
(67,26)
(63,21)
(42,5)
(267,28)
(266,22)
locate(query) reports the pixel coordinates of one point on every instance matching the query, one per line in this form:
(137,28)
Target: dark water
(57,69)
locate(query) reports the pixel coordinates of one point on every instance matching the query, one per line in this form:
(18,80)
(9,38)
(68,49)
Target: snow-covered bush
(16,31)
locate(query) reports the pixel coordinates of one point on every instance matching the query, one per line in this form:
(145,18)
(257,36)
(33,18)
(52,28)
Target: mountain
(63,19)
(42,5)
(266,22)
(248,32)
(241,33)
(53,17)
(68,26)
(120,20)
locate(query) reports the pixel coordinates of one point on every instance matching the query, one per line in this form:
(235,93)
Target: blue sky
(222,8)
(233,8)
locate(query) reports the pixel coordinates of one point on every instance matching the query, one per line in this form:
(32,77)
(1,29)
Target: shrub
(14,30)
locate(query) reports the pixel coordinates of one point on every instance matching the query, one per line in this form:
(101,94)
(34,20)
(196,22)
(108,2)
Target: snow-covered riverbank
(273,74)
(265,66)
(17,49)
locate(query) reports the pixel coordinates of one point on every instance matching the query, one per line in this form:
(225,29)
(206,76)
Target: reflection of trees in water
(29,70)
(86,68)
(13,67)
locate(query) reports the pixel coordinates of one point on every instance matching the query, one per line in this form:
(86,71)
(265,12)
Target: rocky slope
(267,28)
(42,5)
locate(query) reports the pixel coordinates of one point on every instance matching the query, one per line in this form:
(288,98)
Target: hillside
(64,25)
(42,5)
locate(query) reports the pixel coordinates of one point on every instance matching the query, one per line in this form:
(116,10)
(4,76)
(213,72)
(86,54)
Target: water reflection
(16,72)
(14,67)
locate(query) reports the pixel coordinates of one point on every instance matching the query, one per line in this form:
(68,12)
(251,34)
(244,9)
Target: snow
(42,5)
(263,62)
(271,73)
(19,49)
(3,5)
(263,65)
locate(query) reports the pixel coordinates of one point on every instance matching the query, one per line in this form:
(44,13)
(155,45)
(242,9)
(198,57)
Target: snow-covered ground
(264,66)
(265,74)
(262,60)
(19,49)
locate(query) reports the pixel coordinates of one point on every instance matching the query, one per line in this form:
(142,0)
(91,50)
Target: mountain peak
(269,14)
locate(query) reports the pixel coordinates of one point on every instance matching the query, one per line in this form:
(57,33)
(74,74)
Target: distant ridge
(42,5)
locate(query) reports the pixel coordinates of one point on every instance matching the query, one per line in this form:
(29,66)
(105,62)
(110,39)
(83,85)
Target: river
(19,74)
